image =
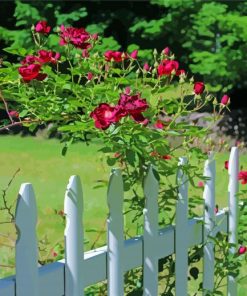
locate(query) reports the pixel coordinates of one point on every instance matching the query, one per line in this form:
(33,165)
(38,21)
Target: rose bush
(134,110)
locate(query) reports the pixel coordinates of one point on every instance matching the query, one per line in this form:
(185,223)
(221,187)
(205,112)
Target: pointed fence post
(26,244)
(233,171)
(74,252)
(150,236)
(115,274)
(209,225)
(181,233)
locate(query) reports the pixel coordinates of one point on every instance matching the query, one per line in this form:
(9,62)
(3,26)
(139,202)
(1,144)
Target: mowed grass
(41,163)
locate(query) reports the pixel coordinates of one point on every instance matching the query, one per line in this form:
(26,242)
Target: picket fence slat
(209,225)
(115,235)
(73,235)
(150,213)
(133,248)
(26,245)
(233,171)
(181,238)
(69,277)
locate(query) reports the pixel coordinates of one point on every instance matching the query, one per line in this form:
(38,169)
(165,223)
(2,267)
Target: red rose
(78,37)
(134,106)
(168,67)
(45,56)
(146,67)
(116,56)
(243,176)
(14,114)
(166,51)
(89,76)
(104,115)
(242,250)
(29,59)
(166,157)
(180,72)
(159,124)
(134,54)
(31,72)
(226,164)
(41,27)
(199,88)
(225,100)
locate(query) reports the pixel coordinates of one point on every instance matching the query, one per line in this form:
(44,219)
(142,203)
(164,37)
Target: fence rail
(78,270)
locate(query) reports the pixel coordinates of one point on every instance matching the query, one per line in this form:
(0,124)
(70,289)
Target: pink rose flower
(14,114)
(225,100)
(89,76)
(45,56)
(31,72)
(242,250)
(146,67)
(243,176)
(199,88)
(159,124)
(167,51)
(42,27)
(104,115)
(168,67)
(116,56)
(78,37)
(200,184)
(134,54)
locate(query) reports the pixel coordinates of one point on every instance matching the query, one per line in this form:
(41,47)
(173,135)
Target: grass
(41,163)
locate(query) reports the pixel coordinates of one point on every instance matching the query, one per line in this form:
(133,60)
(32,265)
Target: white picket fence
(78,270)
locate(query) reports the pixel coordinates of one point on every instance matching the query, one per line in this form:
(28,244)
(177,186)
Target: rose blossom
(243,176)
(14,113)
(225,100)
(166,157)
(199,88)
(78,37)
(41,27)
(134,54)
(104,115)
(45,56)
(159,124)
(89,76)
(146,67)
(116,56)
(242,250)
(31,72)
(168,67)
(166,51)
(180,72)
(200,184)
(29,59)
(226,164)
(133,105)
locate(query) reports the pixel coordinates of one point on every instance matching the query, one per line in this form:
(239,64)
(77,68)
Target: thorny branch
(6,206)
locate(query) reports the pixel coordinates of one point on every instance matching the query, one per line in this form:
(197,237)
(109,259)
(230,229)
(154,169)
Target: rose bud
(242,250)
(89,76)
(200,184)
(146,67)
(134,54)
(166,51)
(199,88)
(225,100)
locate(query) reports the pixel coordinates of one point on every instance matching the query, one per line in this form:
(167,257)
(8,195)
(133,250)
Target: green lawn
(41,163)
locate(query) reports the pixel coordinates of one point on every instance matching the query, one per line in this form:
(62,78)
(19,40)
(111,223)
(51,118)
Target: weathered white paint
(73,235)
(233,171)
(115,233)
(26,245)
(209,225)
(181,232)
(150,235)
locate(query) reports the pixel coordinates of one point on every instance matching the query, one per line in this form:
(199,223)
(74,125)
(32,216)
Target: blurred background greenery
(209,38)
